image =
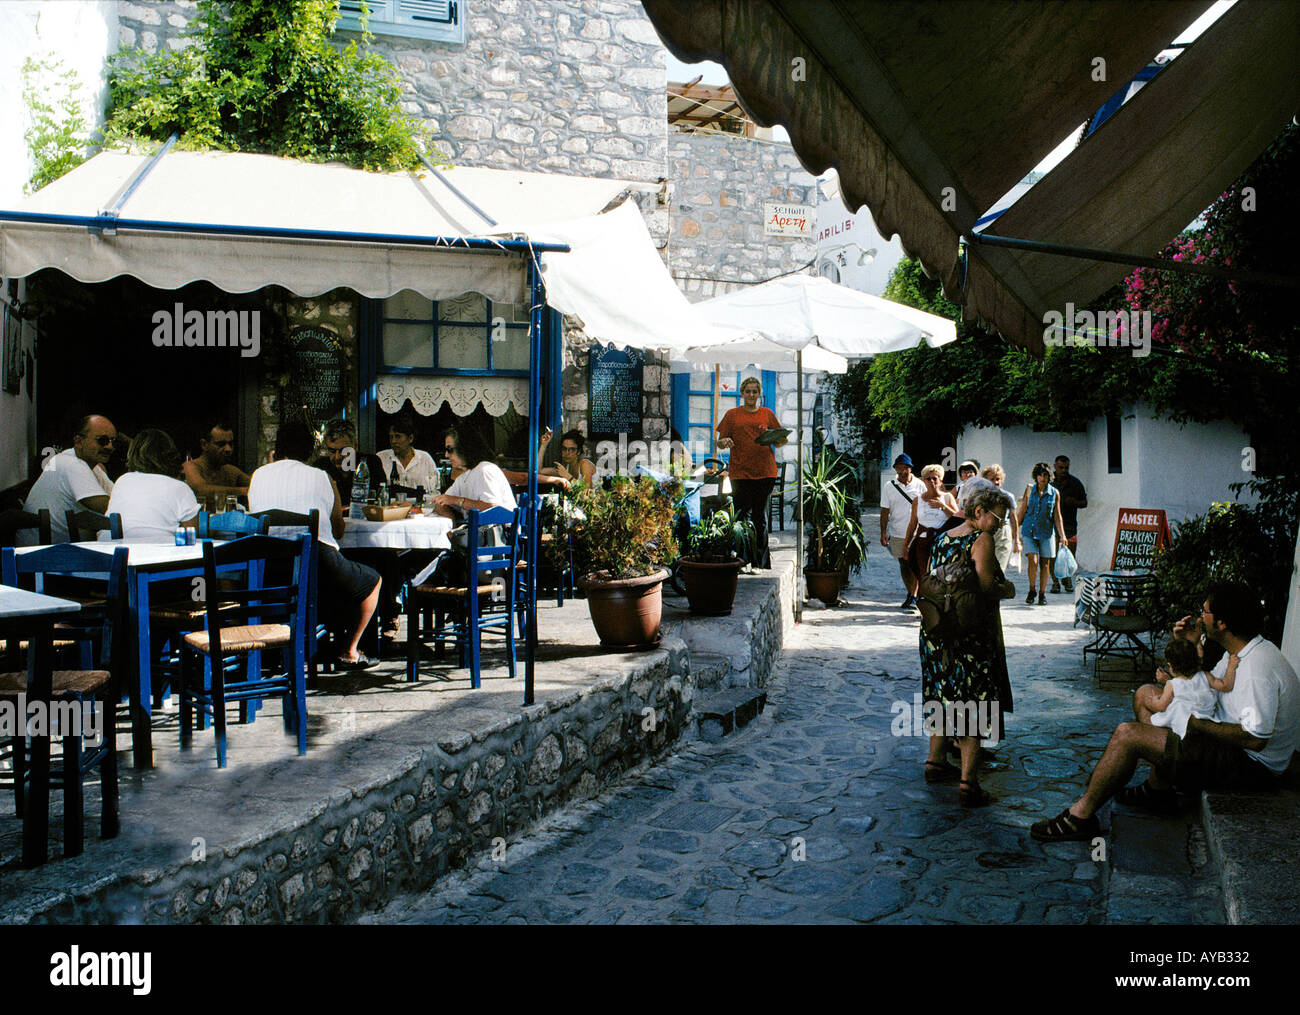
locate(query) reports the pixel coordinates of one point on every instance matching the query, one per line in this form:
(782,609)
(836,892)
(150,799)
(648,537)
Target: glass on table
(232,502)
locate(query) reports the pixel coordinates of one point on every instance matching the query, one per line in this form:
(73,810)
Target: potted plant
(711,564)
(835,539)
(625,544)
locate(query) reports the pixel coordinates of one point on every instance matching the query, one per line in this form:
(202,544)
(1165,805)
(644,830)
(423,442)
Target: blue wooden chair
(85,526)
(316,631)
(250,615)
(485,602)
(229,525)
(76,688)
(14,520)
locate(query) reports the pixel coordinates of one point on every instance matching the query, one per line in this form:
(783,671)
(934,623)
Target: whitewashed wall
(81,34)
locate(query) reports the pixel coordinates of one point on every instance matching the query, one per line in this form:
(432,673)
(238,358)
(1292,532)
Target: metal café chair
(463,612)
(75,688)
(250,615)
(1108,603)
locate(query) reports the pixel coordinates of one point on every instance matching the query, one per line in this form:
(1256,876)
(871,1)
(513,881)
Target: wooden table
(30,615)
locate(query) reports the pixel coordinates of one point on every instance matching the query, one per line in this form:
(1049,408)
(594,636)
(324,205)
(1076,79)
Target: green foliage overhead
(58,134)
(264,76)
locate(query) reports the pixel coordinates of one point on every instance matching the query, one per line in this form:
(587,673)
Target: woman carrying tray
(753,468)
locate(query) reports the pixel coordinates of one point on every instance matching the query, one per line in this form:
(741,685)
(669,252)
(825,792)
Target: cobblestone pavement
(817,813)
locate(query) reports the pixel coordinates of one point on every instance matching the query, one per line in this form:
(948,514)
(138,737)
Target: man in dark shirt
(340,458)
(1073,497)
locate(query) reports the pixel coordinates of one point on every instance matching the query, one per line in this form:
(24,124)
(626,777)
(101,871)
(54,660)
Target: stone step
(724,711)
(1253,837)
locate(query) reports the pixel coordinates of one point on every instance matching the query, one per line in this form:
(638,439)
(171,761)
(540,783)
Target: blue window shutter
(679,394)
(428,12)
(769,389)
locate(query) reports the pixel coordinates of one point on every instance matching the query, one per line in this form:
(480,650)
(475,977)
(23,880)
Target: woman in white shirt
(483,486)
(414,468)
(149,496)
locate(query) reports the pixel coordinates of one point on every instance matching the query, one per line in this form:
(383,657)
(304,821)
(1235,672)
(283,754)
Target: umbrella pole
(798,535)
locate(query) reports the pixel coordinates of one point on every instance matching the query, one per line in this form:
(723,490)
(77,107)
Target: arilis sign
(787,220)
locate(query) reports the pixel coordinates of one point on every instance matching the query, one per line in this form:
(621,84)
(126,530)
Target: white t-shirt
(152,506)
(1192,697)
(485,482)
(1264,701)
(294,486)
(64,480)
(422,471)
(900,508)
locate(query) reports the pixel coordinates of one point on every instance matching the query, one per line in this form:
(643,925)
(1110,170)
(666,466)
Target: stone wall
(559,86)
(721,182)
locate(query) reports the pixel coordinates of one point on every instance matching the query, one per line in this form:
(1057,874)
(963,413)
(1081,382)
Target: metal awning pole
(1137,260)
(798,529)
(534,411)
(115,209)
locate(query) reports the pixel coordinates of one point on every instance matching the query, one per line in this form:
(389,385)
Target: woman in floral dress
(971,667)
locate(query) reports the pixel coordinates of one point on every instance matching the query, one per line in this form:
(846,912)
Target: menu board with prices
(316,374)
(1138,533)
(615,393)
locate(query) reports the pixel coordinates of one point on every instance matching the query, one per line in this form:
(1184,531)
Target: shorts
(1200,761)
(896,546)
(342,581)
(1045,548)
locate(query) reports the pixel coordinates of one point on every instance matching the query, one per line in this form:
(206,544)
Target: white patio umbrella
(806,317)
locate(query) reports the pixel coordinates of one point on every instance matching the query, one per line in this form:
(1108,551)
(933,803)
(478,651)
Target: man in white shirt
(896,496)
(73,480)
(349,590)
(1246,746)
(405,464)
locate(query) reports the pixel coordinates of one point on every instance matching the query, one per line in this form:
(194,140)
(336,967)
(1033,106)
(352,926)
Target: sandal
(1065,827)
(1148,798)
(972,794)
(940,771)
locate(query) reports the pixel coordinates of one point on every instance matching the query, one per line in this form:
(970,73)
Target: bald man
(74,479)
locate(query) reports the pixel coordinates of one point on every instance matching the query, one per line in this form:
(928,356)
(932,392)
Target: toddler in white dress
(1188,691)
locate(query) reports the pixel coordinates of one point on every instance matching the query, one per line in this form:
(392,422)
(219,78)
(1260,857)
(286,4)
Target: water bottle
(383,495)
(360,490)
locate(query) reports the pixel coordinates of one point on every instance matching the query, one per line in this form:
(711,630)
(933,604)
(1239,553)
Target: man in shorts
(1246,746)
(349,592)
(896,497)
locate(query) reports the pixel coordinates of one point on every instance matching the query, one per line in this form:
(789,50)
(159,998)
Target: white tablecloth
(421,532)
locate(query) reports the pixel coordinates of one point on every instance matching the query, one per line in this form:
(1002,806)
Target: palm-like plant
(831,514)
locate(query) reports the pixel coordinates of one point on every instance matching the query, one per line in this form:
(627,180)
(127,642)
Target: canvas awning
(932,110)
(246,198)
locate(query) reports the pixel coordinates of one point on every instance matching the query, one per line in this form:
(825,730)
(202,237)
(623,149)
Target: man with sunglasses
(74,479)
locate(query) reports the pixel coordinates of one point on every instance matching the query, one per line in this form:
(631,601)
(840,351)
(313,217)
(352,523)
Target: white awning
(232,191)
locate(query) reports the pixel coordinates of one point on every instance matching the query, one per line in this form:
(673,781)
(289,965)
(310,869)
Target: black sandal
(1065,827)
(972,794)
(940,771)
(1148,798)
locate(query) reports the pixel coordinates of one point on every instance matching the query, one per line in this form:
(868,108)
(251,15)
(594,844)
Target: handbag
(1066,565)
(949,598)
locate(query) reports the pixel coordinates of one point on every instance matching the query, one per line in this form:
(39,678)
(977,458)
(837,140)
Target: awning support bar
(276,232)
(456,190)
(1137,260)
(115,209)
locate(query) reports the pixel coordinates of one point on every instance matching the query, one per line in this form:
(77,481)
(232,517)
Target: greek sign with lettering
(787,220)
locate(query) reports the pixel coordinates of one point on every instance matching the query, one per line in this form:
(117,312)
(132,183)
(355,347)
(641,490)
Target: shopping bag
(1066,566)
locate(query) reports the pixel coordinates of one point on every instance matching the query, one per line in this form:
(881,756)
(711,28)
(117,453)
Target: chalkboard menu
(315,374)
(615,395)
(1137,535)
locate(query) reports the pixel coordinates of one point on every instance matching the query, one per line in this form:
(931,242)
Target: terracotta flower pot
(823,585)
(711,588)
(626,612)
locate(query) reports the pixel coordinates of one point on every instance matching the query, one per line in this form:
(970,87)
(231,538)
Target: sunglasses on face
(104,442)
(450,449)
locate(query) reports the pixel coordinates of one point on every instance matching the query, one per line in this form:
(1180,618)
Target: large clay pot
(626,612)
(824,585)
(711,588)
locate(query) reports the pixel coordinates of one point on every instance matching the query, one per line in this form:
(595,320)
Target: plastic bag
(1015,562)
(1066,566)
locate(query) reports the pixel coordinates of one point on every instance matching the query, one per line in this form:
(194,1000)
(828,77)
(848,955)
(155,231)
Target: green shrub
(1231,542)
(629,528)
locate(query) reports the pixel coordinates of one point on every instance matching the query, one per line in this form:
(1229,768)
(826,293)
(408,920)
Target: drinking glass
(232,502)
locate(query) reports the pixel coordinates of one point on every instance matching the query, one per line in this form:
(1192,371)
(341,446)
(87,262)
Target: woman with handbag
(963,662)
(1040,521)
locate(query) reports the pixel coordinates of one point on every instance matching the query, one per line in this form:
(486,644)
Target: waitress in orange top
(753,469)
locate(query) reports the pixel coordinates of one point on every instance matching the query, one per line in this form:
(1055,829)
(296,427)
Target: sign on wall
(315,375)
(614,401)
(787,220)
(1138,533)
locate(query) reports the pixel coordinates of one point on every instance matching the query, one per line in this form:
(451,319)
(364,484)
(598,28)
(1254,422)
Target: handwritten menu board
(615,394)
(1137,535)
(316,374)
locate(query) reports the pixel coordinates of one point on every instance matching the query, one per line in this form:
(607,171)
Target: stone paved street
(817,813)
